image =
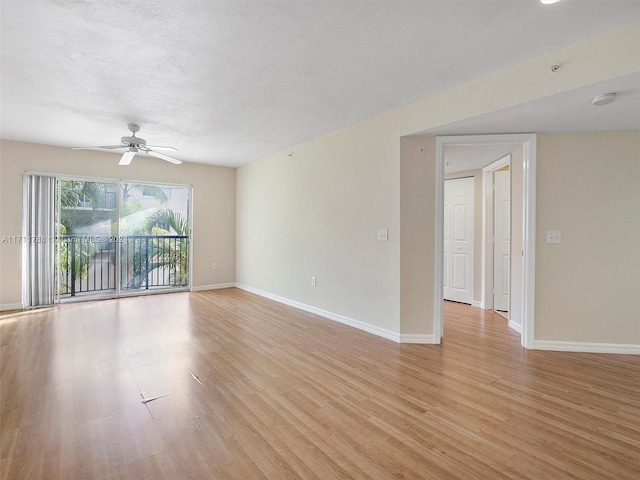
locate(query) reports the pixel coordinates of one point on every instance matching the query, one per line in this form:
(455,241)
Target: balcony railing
(87,263)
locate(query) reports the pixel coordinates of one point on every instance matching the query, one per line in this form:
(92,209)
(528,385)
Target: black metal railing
(87,263)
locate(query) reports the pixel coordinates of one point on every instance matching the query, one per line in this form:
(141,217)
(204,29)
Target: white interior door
(458,240)
(502,240)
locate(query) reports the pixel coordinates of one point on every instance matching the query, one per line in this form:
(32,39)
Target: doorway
(521,281)
(497,229)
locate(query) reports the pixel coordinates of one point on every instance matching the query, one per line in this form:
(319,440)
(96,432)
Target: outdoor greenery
(73,193)
(84,203)
(144,252)
(148,190)
(161,253)
(76,256)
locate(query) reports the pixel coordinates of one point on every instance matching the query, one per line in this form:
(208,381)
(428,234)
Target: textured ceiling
(227,82)
(568,111)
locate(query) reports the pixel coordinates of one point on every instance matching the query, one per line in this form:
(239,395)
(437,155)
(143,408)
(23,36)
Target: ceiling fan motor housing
(133,141)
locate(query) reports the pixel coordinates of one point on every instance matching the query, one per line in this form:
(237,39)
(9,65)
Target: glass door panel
(154,237)
(86,217)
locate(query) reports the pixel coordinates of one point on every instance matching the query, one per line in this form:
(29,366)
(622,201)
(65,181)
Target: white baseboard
(215,286)
(381,332)
(515,326)
(10,306)
(416,338)
(477,304)
(587,347)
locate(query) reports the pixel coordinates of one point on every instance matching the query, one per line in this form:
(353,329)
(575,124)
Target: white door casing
(501,239)
(458,240)
(526,284)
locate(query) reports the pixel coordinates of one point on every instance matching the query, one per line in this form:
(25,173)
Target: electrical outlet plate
(554,236)
(313,281)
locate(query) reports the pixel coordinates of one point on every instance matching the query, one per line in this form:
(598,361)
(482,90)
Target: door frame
(118,182)
(528,142)
(486,301)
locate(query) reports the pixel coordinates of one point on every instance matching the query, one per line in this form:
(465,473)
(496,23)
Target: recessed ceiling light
(603,99)
(548,2)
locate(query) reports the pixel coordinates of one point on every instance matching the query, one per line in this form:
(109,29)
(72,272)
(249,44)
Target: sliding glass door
(118,238)
(85,249)
(154,237)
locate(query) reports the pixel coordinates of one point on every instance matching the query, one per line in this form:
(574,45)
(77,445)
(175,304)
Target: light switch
(554,236)
(383,235)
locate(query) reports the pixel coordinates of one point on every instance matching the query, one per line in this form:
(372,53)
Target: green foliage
(74,256)
(75,219)
(173,221)
(87,203)
(130,207)
(82,203)
(171,255)
(148,190)
(77,193)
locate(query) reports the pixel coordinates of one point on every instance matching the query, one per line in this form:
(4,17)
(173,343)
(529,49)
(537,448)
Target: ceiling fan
(134,145)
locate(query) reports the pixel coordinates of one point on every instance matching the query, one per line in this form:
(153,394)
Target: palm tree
(170,221)
(150,190)
(170,255)
(76,193)
(75,255)
(74,259)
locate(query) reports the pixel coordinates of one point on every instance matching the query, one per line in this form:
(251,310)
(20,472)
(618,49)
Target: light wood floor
(257,390)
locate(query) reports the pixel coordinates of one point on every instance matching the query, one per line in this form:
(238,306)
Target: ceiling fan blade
(105,147)
(127,157)
(161,147)
(164,157)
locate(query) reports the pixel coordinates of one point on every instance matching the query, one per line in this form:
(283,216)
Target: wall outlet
(214,266)
(313,281)
(554,236)
(383,234)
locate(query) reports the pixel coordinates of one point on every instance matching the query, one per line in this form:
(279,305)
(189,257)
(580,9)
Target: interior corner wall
(315,211)
(417,234)
(214,198)
(588,187)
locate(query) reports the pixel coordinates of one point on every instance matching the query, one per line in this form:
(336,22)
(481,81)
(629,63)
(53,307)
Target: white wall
(417,237)
(587,287)
(317,212)
(213,204)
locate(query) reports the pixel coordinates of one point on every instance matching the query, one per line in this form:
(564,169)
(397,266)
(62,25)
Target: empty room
(320,239)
